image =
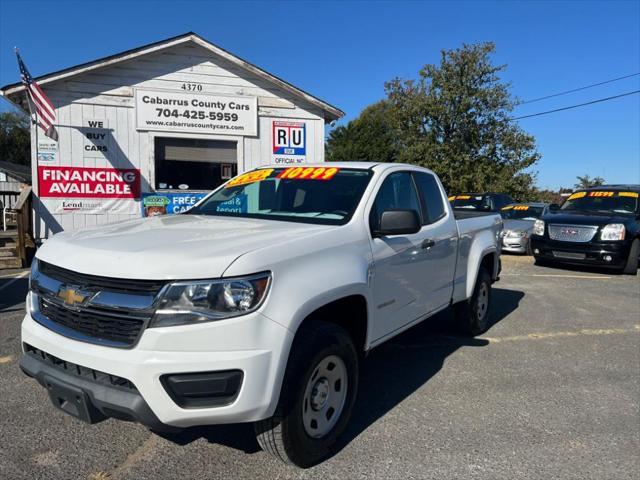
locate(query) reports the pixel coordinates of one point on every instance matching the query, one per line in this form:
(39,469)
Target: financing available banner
(88,182)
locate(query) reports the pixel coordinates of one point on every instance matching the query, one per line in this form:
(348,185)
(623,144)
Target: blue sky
(343,52)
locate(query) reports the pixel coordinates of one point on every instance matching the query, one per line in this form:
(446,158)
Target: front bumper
(253,344)
(602,254)
(515,245)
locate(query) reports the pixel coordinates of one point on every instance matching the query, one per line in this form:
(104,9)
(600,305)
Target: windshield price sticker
(508,207)
(521,207)
(308,173)
(601,194)
(577,195)
(463,197)
(250,177)
(452,198)
(628,194)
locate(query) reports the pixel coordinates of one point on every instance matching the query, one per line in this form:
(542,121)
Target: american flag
(44,109)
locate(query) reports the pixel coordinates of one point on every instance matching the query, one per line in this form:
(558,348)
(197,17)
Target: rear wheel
(318,393)
(631,267)
(472,315)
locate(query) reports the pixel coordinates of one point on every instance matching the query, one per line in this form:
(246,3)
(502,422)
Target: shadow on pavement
(567,267)
(12,295)
(389,374)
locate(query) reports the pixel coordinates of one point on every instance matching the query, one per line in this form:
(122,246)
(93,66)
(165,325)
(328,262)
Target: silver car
(518,219)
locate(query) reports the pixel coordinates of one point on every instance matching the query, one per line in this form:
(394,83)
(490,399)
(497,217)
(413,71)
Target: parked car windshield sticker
(576,195)
(521,207)
(628,194)
(250,177)
(308,173)
(601,194)
(508,207)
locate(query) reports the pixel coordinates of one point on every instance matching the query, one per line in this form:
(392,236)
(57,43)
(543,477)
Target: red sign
(81,182)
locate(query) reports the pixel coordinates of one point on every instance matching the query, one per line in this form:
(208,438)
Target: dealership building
(155,128)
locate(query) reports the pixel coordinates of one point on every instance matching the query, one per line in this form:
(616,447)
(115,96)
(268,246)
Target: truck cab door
(401,270)
(439,225)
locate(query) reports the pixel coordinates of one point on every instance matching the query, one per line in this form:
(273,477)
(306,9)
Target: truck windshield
(471,202)
(521,212)
(602,202)
(321,195)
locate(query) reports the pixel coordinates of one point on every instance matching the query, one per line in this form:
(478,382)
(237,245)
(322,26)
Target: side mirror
(398,222)
(554,207)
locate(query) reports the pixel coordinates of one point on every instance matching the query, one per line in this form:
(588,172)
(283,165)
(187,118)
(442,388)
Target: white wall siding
(108,93)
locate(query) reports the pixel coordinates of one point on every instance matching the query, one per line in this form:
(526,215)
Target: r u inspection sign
(289,142)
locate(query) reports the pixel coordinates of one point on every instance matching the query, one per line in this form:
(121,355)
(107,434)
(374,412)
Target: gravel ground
(552,390)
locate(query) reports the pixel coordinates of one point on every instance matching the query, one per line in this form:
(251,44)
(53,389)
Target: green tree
(369,137)
(455,119)
(15,138)
(587,182)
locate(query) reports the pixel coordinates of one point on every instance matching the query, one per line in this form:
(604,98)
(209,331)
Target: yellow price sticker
(463,197)
(309,173)
(577,195)
(250,177)
(452,198)
(628,194)
(601,194)
(521,207)
(508,207)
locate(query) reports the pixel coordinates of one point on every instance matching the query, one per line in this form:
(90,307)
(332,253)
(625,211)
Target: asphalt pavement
(552,390)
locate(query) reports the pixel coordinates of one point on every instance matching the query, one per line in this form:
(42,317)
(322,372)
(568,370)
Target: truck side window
(397,192)
(431,197)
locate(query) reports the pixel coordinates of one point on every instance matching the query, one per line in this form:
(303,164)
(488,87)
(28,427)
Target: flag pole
(33,116)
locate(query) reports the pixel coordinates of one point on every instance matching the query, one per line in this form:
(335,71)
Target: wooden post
(22,208)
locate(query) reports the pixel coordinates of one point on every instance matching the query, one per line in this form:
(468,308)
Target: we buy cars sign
(87,182)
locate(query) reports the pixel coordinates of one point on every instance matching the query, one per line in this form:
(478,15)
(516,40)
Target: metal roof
(331,112)
(15,170)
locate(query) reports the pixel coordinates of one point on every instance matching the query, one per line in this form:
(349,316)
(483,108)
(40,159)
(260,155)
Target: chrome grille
(116,328)
(100,310)
(572,233)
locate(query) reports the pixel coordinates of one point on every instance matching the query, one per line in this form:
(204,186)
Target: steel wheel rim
(483,301)
(324,396)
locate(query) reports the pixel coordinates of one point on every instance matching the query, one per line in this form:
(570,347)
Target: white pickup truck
(257,304)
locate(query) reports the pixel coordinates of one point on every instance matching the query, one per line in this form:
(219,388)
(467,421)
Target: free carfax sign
(289,141)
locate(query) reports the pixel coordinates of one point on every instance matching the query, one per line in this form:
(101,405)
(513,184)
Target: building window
(193,164)
(3,177)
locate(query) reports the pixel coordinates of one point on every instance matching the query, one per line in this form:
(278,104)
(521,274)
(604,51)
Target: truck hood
(168,247)
(577,218)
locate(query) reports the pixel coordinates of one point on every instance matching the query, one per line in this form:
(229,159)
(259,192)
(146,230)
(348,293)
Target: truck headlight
(515,234)
(613,231)
(198,301)
(538,227)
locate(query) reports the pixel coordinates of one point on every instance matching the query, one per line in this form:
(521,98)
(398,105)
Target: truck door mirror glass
(398,222)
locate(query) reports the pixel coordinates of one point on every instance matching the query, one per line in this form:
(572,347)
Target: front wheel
(318,393)
(472,315)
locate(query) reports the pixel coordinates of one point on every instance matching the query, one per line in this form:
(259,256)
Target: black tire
(472,315)
(284,435)
(631,267)
(540,262)
(528,251)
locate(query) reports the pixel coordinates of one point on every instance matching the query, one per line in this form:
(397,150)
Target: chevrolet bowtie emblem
(71,296)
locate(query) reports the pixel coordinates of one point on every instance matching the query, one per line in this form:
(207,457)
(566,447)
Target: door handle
(428,243)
